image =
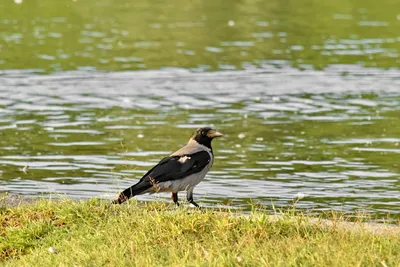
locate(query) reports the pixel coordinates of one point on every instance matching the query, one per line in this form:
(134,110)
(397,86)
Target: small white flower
(52,250)
(140,135)
(18,2)
(231,23)
(241,135)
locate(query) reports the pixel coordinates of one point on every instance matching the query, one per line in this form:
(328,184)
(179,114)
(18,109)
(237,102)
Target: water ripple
(327,135)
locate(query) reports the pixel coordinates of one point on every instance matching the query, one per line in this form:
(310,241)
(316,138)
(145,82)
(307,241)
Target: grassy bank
(91,233)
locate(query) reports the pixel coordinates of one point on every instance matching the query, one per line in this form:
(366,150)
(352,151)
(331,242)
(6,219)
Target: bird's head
(205,135)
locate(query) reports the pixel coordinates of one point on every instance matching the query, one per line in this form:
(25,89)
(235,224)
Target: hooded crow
(181,171)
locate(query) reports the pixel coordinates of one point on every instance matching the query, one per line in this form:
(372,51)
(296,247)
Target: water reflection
(53,36)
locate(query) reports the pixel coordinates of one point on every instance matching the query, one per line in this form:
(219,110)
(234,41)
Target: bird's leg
(175,198)
(189,197)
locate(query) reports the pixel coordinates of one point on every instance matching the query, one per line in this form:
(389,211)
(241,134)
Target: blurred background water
(93,93)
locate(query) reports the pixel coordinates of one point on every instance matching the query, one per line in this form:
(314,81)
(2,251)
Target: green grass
(92,233)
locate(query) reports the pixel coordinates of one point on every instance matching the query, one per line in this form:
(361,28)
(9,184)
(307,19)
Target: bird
(181,171)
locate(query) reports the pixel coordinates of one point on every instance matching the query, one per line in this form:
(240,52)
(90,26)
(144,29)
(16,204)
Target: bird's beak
(214,133)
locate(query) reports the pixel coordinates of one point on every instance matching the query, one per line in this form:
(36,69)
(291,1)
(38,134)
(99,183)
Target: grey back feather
(191,147)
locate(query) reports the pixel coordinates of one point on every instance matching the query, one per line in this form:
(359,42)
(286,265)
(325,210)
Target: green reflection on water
(207,35)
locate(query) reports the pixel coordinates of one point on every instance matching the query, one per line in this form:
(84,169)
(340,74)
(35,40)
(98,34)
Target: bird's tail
(132,191)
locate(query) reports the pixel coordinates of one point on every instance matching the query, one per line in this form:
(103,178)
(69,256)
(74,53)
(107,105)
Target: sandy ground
(374,228)
(12,200)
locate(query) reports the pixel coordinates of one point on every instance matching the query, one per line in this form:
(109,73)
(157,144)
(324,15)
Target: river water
(331,136)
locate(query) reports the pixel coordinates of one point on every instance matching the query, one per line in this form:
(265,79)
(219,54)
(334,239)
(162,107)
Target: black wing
(177,167)
(169,168)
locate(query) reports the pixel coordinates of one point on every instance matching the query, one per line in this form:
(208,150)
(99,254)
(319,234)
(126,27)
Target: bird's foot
(194,204)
